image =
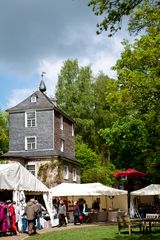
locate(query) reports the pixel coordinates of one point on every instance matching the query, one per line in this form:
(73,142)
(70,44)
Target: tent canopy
(153,189)
(85,189)
(14,176)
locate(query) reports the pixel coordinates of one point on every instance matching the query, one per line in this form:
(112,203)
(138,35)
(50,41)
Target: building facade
(41,138)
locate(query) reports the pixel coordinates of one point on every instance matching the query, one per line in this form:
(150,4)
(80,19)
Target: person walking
(62,214)
(31,214)
(76,213)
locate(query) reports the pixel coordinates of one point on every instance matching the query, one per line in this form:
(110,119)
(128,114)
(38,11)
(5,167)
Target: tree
(128,140)
(91,168)
(74,94)
(83,98)
(103,117)
(114,11)
(135,132)
(100,174)
(4,141)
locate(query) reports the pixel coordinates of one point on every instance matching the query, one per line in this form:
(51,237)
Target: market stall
(110,199)
(16,182)
(145,200)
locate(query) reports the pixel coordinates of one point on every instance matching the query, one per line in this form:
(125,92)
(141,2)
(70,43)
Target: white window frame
(26,143)
(74,174)
(30,122)
(31,168)
(33,99)
(65,172)
(62,145)
(61,123)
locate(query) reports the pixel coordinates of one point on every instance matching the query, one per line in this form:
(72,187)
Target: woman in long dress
(12,217)
(3,218)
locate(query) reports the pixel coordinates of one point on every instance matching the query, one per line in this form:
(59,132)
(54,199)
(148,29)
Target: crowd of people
(27,217)
(80,211)
(20,217)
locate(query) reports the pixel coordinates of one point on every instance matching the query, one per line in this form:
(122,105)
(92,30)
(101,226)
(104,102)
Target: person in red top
(12,217)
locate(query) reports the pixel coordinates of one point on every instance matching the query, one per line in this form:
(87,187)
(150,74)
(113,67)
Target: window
(33,99)
(30,143)
(74,175)
(30,119)
(61,126)
(62,145)
(32,169)
(72,130)
(65,172)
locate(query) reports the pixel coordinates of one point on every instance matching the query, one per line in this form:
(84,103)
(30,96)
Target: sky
(40,35)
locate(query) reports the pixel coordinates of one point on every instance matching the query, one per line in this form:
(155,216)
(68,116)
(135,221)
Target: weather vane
(42,75)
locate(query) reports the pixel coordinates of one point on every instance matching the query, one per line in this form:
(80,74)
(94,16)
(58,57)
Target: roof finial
(42,86)
(42,75)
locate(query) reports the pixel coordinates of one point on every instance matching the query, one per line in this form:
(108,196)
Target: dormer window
(33,99)
(30,119)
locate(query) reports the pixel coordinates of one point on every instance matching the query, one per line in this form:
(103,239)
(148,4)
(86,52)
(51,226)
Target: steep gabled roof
(43,102)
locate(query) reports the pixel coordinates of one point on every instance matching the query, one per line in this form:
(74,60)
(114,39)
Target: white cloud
(101,60)
(47,38)
(18,95)
(52,68)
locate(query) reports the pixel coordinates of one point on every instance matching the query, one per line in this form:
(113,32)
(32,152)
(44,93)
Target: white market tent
(146,194)
(84,189)
(153,189)
(17,178)
(14,177)
(91,191)
(100,189)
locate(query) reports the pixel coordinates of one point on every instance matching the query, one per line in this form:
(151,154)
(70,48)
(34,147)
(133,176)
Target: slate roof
(40,154)
(43,102)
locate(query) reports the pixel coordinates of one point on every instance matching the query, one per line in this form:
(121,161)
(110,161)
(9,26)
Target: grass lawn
(95,233)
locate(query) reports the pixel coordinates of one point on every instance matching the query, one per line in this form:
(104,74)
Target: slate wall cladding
(69,139)
(65,134)
(49,136)
(43,131)
(16,131)
(57,130)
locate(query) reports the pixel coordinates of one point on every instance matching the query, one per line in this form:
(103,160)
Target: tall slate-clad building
(41,138)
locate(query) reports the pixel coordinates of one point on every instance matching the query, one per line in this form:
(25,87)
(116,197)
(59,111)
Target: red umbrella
(130,172)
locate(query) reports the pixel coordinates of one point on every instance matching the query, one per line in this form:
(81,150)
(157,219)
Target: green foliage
(87,157)
(113,13)
(100,173)
(134,134)
(129,138)
(74,94)
(91,168)
(118,120)
(4,141)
